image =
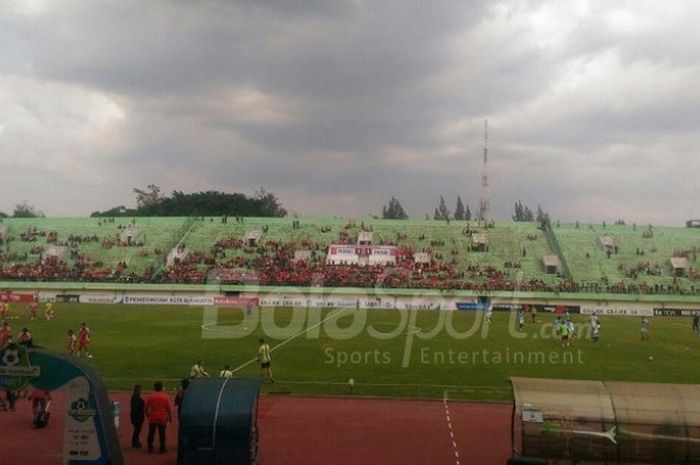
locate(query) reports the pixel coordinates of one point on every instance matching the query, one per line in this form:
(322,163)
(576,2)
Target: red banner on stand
(13,297)
(224,301)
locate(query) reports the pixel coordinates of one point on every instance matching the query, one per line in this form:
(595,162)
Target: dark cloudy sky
(593,107)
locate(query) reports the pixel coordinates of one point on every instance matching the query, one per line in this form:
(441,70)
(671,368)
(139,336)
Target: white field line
(455,449)
(289,339)
(445,387)
(216,413)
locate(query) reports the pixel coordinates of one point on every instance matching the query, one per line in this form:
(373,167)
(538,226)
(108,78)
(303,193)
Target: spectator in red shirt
(39,400)
(25,338)
(159,415)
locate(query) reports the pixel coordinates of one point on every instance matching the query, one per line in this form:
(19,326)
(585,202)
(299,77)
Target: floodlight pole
(484,199)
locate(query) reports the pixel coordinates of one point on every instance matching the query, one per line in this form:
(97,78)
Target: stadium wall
(372,298)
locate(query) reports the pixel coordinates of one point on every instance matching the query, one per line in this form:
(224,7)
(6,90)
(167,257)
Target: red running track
(309,431)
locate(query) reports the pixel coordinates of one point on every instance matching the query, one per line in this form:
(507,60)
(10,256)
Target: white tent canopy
(128,235)
(252,237)
(551,263)
(680,265)
(421,257)
(54,251)
(480,239)
(608,242)
(302,255)
(179,253)
(364,237)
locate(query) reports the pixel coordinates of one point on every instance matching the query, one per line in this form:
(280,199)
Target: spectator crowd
(231,260)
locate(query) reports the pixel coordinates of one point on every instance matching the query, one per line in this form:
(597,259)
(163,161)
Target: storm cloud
(592,107)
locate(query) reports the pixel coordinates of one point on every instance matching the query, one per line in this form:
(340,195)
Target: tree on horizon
(150,202)
(441,211)
(523,212)
(460,212)
(25,210)
(394,211)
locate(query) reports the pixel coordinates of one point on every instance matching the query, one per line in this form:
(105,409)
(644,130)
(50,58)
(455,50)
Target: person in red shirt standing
(84,340)
(39,400)
(32,310)
(159,415)
(25,338)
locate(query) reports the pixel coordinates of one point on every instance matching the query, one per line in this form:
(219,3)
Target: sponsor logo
(224,301)
(168,300)
(12,297)
(80,410)
(99,299)
(621,311)
(31,372)
(676,312)
(472,306)
(16,369)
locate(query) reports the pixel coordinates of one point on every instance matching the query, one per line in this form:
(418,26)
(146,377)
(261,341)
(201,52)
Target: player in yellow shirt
(265,360)
(48,311)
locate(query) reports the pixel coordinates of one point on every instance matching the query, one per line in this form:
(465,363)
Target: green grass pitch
(141,344)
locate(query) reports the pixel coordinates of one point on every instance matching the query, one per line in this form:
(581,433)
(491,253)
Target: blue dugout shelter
(218,423)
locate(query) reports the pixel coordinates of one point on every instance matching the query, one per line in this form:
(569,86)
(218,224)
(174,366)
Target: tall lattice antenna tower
(484,200)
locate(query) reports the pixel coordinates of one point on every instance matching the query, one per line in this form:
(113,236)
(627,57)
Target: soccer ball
(651,358)
(10,358)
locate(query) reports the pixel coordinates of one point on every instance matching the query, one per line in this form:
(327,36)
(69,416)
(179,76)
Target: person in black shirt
(137,416)
(180,396)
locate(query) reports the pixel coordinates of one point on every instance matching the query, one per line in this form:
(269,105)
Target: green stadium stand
(154,232)
(589,260)
(515,250)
